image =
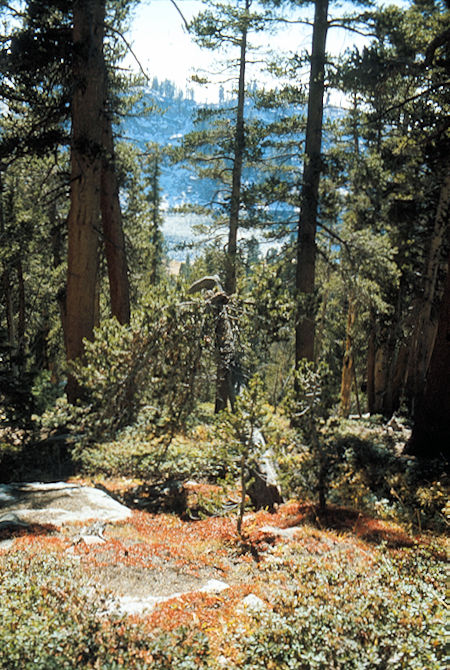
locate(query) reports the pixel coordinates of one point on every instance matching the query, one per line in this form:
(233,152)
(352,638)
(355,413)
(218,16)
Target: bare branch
(186,24)
(338,23)
(130,49)
(291,21)
(14,11)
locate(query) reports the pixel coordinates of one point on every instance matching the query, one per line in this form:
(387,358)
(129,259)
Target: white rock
(214,586)
(92,539)
(288,533)
(130,605)
(45,486)
(58,503)
(252,603)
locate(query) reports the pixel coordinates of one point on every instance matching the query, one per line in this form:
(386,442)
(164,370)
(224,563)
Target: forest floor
(159,567)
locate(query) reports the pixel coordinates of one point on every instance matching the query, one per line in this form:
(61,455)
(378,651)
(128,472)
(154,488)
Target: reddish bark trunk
(86,168)
(424,317)
(431,433)
(114,238)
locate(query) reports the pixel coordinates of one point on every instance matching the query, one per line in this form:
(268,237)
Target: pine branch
(186,24)
(130,49)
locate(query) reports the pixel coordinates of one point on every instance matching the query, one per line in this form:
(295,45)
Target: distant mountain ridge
(171,116)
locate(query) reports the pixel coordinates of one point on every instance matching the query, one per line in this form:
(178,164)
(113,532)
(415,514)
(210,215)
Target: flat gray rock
(59,503)
(11,520)
(132,605)
(287,533)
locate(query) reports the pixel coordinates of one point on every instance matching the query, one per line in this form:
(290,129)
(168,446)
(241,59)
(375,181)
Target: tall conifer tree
(56,65)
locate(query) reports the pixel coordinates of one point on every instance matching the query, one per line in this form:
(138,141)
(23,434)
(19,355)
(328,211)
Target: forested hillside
(324,360)
(164,116)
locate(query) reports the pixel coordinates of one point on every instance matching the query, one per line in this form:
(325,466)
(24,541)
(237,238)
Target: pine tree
(55,70)
(224,25)
(431,432)
(398,178)
(306,235)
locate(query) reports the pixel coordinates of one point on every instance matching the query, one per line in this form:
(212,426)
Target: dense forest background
(318,286)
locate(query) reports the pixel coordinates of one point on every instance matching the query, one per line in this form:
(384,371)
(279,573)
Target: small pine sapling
(242,429)
(309,406)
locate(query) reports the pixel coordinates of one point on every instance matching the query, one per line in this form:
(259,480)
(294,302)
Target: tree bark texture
(6,282)
(424,317)
(225,353)
(114,238)
(347,376)
(371,352)
(431,433)
(380,376)
(86,172)
(21,317)
(306,237)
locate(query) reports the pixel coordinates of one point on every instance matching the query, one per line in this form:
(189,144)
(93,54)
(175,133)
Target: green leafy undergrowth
(49,619)
(52,618)
(138,452)
(343,611)
(366,470)
(331,598)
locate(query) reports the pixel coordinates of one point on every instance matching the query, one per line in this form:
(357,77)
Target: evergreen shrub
(51,618)
(145,370)
(137,452)
(351,615)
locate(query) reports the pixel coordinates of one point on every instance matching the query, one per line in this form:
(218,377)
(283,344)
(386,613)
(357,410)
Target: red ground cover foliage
(161,541)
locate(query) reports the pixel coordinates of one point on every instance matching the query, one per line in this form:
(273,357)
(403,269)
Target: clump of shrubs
(356,463)
(349,614)
(52,618)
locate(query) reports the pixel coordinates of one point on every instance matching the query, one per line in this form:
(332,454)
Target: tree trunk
(113,230)
(306,237)
(398,376)
(370,379)
(21,317)
(431,433)
(9,309)
(424,318)
(225,348)
(86,171)
(239,144)
(6,282)
(380,377)
(224,381)
(348,376)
